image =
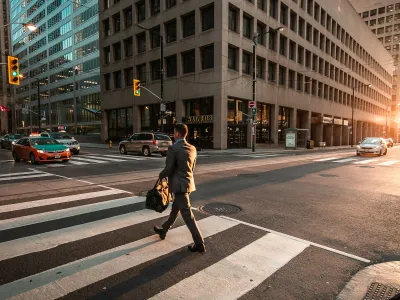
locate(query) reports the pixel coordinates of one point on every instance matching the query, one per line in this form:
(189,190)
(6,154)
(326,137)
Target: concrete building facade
(60,65)
(5,91)
(383,17)
(305,73)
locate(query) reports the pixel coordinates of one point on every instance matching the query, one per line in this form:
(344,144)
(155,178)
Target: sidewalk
(380,281)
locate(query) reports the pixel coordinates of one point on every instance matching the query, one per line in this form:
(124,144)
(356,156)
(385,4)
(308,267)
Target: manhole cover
(248,175)
(328,175)
(220,209)
(379,291)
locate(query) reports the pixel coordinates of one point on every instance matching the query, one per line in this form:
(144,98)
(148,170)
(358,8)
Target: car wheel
(2,146)
(358,154)
(164,153)
(76,152)
(146,151)
(65,160)
(122,150)
(385,152)
(15,157)
(32,159)
(380,153)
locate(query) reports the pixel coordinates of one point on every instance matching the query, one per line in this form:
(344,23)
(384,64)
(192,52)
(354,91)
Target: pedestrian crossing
(103,246)
(380,161)
(261,155)
(22,176)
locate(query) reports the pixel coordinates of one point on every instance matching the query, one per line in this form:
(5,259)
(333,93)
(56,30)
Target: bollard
(110,144)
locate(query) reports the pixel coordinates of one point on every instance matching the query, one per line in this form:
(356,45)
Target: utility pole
(254,111)
(162,105)
(352,119)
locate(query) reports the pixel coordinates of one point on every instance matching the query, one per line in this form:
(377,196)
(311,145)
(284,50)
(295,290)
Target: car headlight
(358,147)
(13,142)
(67,150)
(42,151)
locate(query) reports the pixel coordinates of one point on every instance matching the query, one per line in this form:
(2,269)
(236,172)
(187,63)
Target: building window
(107,78)
(141,11)
(106,28)
(207,57)
(282,75)
(171,62)
(232,19)
(308,59)
(207,17)
(282,45)
(141,72)
(271,71)
(273,9)
(292,79)
(128,16)
(188,61)
(247,26)
(128,46)
(261,31)
(107,55)
(293,21)
(261,4)
(106,4)
(128,77)
(292,50)
(246,61)
(272,37)
(232,54)
(117,22)
(170,31)
(302,26)
(155,37)
(309,33)
(188,24)
(260,67)
(284,14)
(170,3)
(154,7)
(155,70)
(141,42)
(299,82)
(300,55)
(117,80)
(117,51)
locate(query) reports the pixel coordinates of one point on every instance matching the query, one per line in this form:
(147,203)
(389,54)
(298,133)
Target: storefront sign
(327,120)
(345,122)
(199,119)
(337,121)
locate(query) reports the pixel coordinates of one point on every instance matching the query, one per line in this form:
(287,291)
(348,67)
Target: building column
(293,118)
(220,127)
(345,135)
(365,130)
(104,126)
(318,134)
(337,135)
(274,124)
(359,133)
(328,134)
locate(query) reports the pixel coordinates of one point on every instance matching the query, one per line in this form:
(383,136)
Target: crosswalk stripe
(67,212)
(78,163)
(57,200)
(25,177)
(344,160)
(59,237)
(57,165)
(90,160)
(73,276)
(366,161)
(20,173)
(126,157)
(389,163)
(238,273)
(327,159)
(101,157)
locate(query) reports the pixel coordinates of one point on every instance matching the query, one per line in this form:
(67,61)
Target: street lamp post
(254,125)
(162,106)
(352,111)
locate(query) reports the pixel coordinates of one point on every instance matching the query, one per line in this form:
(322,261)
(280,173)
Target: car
(146,143)
(9,140)
(65,139)
(40,149)
(372,145)
(389,142)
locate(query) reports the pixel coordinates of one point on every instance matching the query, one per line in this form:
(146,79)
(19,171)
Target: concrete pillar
(104,126)
(293,118)
(337,135)
(370,130)
(307,124)
(345,136)
(318,134)
(274,124)
(328,134)
(365,130)
(359,136)
(220,121)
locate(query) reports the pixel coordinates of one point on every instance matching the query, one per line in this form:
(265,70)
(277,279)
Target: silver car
(146,143)
(372,145)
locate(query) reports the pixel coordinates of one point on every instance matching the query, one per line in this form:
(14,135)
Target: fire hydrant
(110,144)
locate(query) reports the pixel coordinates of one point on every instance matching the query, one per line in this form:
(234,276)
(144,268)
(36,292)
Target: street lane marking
(68,212)
(49,240)
(238,273)
(78,163)
(366,161)
(25,177)
(90,160)
(20,173)
(344,160)
(326,159)
(126,157)
(73,276)
(102,158)
(389,163)
(300,240)
(57,200)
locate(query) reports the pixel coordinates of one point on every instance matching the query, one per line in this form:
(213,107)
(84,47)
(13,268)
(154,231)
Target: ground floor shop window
(120,123)
(151,119)
(283,122)
(263,119)
(237,136)
(201,135)
(237,123)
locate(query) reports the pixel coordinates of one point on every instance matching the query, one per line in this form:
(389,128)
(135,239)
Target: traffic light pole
(162,81)
(38,95)
(253,126)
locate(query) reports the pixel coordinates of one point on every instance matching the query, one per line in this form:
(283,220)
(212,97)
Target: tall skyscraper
(383,17)
(59,63)
(5,95)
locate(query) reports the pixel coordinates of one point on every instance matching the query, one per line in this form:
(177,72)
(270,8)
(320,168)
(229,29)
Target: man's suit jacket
(179,168)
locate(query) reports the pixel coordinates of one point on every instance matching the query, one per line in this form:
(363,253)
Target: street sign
(254,111)
(252,104)
(162,107)
(164,121)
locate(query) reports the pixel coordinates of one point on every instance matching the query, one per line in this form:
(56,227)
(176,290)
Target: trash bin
(310,144)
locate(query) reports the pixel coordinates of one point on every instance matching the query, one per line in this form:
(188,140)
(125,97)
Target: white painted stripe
(84,181)
(237,274)
(389,163)
(25,177)
(344,160)
(100,157)
(57,165)
(90,160)
(126,157)
(67,212)
(68,278)
(48,240)
(57,200)
(301,240)
(77,163)
(365,161)
(20,173)
(326,159)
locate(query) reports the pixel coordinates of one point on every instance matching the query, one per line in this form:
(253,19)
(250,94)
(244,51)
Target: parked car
(9,140)
(65,139)
(372,145)
(389,142)
(146,143)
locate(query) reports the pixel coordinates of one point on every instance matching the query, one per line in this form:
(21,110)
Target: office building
(305,73)
(383,17)
(5,91)
(59,63)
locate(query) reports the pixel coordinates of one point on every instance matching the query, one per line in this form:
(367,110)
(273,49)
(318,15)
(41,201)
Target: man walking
(180,163)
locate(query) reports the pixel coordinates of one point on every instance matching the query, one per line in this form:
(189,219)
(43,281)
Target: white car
(65,139)
(372,145)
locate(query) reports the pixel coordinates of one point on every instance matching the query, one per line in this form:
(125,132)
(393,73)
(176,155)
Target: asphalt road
(302,226)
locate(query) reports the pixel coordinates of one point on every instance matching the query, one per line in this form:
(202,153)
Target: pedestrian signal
(136,87)
(13,70)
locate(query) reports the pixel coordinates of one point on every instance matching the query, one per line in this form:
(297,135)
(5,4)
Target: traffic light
(136,87)
(13,70)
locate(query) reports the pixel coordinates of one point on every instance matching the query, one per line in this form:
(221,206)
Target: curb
(385,273)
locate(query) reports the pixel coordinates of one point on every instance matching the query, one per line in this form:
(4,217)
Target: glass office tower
(59,64)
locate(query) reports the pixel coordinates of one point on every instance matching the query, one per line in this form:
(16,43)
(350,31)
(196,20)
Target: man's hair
(182,129)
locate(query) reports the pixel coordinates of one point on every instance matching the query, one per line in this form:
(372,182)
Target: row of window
(381,21)
(152,6)
(381,10)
